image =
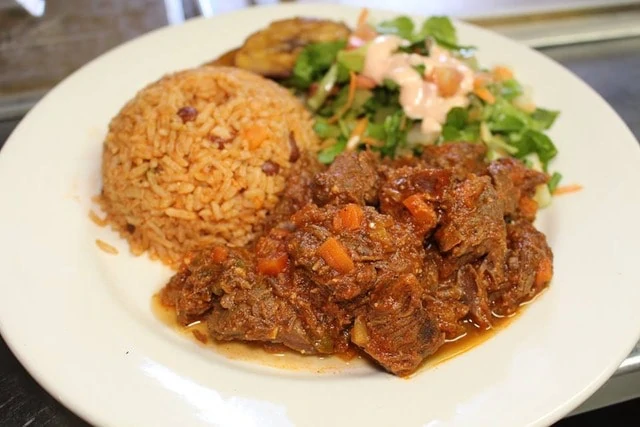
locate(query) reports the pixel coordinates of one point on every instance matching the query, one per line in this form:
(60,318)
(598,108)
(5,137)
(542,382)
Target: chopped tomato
(336,256)
(348,218)
(272,266)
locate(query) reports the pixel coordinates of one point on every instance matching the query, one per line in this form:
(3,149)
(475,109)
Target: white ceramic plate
(81,323)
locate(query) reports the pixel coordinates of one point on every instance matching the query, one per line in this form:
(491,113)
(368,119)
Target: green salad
(355,109)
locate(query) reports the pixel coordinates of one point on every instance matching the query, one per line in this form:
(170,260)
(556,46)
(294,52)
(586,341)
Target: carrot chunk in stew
(336,256)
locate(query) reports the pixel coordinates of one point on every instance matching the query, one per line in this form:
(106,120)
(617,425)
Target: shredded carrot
(336,256)
(219,254)
(348,218)
(363,31)
(484,94)
(372,142)
(566,189)
(356,134)
(350,97)
(481,80)
(360,127)
(364,82)
(362,18)
(502,73)
(272,266)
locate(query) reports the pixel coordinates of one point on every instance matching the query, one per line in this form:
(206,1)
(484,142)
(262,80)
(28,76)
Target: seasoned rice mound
(198,158)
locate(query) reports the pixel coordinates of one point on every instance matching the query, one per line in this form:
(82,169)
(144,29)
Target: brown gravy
(281,357)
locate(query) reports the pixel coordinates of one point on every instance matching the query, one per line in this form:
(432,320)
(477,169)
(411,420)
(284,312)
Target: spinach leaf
(505,117)
(543,119)
(469,133)
(533,141)
(457,117)
(458,128)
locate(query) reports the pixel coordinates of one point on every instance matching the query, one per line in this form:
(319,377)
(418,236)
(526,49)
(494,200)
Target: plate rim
(53,389)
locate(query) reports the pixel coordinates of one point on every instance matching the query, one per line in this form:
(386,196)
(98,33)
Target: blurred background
(43,41)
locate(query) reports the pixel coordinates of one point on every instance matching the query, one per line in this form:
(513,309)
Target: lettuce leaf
(314,60)
(401,26)
(328,155)
(441,29)
(544,119)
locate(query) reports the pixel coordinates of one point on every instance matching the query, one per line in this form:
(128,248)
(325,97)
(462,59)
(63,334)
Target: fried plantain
(227,59)
(273,51)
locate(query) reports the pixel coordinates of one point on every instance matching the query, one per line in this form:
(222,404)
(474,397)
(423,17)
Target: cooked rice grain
(175,182)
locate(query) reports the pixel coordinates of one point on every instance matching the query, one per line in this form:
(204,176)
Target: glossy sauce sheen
(283,358)
(419,98)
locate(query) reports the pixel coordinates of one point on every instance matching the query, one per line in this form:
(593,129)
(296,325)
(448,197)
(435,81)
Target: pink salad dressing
(419,98)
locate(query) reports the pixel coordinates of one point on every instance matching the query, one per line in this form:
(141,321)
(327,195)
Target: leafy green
(343,74)
(420,68)
(458,128)
(390,84)
(544,119)
(533,141)
(329,154)
(457,117)
(352,60)
(554,181)
(324,87)
(324,129)
(441,29)
(470,133)
(384,97)
(510,89)
(314,60)
(345,129)
(376,131)
(503,116)
(401,26)
(394,134)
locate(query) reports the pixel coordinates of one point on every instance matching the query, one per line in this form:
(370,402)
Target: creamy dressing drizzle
(420,99)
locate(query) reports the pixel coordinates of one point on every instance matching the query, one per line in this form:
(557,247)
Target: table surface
(612,68)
